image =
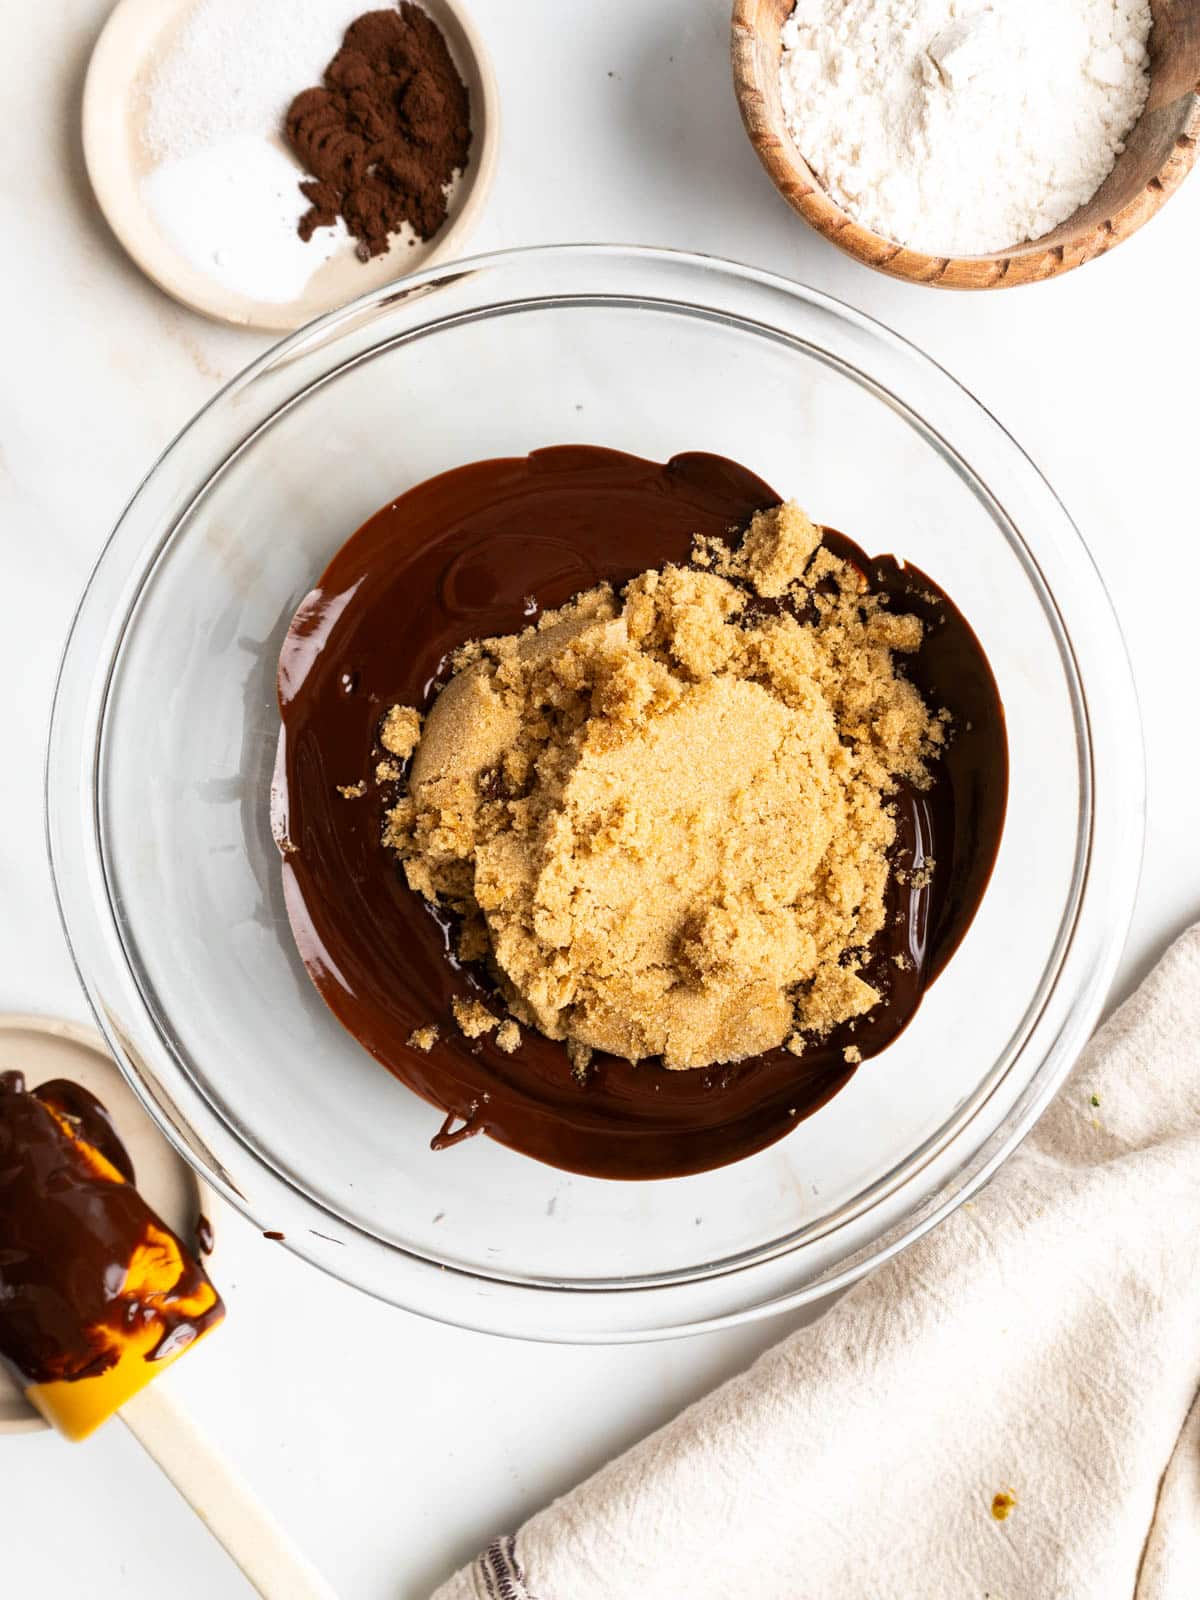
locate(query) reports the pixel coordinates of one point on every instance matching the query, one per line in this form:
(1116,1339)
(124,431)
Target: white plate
(43,1048)
(117,162)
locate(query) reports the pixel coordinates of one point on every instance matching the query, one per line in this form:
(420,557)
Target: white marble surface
(390,1447)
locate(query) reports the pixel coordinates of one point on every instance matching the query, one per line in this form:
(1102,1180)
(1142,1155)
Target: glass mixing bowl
(164,735)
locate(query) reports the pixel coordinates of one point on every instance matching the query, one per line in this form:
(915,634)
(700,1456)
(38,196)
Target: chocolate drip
(448,1135)
(481,550)
(89,1119)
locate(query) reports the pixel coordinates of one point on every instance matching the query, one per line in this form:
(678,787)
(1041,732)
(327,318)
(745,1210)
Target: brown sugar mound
(386,132)
(664,817)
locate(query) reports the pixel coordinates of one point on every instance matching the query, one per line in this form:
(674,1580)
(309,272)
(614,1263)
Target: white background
(392,1448)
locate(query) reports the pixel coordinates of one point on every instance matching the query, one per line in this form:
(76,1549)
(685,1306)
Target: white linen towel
(1041,1345)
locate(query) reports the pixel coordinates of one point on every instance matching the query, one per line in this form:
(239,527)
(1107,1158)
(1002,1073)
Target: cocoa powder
(385,132)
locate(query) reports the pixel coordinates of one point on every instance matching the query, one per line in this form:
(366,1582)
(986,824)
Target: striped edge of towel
(500,1572)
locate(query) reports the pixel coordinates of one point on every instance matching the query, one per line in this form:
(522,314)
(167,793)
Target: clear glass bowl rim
(1092,945)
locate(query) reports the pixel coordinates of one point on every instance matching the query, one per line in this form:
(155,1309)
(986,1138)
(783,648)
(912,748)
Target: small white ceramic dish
(44,1048)
(135,35)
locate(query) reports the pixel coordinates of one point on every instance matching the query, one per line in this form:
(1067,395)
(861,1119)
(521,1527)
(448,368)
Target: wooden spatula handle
(221,1498)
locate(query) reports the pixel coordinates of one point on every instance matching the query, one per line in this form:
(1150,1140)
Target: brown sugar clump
(473,1017)
(385,132)
(664,816)
(508,1037)
(774,550)
(399,734)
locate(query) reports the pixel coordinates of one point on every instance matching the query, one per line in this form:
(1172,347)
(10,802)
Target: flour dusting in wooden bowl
(1080,136)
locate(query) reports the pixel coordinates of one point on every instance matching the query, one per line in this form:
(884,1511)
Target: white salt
(231,209)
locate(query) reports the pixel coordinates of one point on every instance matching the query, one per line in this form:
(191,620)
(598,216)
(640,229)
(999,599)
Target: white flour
(963,126)
(224,189)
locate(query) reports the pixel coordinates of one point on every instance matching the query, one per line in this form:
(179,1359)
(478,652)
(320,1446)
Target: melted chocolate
(71,1223)
(484,550)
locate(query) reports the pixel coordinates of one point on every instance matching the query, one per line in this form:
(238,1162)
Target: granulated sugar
(235,66)
(958,127)
(224,189)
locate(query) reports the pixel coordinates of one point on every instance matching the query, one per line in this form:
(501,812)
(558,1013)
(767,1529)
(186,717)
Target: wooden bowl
(1157,157)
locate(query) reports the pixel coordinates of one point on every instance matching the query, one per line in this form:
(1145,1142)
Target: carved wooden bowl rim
(1080,238)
